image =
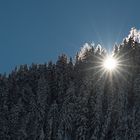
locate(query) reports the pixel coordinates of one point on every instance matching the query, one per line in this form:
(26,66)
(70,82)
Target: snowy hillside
(74,100)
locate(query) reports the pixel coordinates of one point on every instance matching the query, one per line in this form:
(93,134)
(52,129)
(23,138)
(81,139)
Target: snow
(135,34)
(86,47)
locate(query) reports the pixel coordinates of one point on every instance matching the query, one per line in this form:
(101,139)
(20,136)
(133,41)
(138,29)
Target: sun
(110,63)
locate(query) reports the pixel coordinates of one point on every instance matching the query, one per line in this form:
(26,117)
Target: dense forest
(74,99)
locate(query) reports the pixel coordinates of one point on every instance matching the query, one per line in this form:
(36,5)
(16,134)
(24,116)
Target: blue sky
(40,30)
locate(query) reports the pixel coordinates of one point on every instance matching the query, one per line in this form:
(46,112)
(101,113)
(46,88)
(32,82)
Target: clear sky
(40,30)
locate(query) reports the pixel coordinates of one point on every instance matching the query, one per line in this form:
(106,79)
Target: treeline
(74,100)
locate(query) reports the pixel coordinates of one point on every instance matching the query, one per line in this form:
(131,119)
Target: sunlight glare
(110,63)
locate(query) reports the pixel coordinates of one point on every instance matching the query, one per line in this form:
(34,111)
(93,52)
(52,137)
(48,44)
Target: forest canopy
(74,99)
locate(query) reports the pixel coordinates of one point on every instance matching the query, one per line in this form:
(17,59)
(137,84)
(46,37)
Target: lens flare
(110,63)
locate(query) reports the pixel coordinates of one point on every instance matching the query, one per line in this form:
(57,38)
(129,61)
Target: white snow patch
(98,48)
(86,47)
(135,34)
